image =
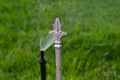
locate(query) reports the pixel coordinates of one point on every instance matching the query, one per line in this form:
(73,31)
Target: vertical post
(42,66)
(58,60)
(57,34)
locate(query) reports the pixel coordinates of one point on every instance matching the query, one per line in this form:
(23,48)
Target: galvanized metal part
(58,34)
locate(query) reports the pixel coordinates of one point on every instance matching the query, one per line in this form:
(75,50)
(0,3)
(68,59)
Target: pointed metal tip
(57,20)
(66,33)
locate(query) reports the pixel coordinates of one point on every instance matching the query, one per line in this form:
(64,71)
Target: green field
(90,51)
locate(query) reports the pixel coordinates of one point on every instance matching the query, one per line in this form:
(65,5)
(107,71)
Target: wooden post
(57,34)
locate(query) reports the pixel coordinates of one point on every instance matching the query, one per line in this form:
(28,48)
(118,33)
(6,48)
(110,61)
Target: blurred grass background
(90,51)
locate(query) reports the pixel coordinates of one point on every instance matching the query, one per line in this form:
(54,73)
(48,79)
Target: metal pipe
(42,66)
(58,34)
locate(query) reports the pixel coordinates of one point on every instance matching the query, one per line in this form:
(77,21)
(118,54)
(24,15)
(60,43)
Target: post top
(56,32)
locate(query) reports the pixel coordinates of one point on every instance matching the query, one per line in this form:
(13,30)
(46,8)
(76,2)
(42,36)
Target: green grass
(90,51)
